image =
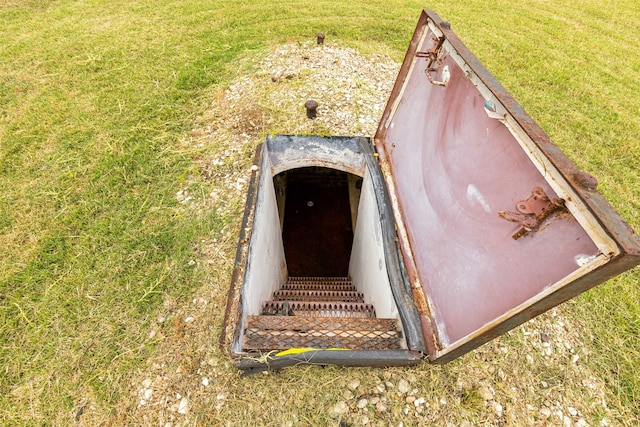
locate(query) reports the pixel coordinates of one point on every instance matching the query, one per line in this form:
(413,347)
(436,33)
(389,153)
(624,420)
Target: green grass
(95,98)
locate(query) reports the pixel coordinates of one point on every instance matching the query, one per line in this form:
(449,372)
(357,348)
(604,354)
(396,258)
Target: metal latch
(436,56)
(532,212)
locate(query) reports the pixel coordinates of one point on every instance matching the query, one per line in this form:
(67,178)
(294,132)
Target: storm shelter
(317,274)
(459,221)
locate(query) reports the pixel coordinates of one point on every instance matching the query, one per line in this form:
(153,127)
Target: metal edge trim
(518,316)
(348,358)
(395,267)
(246,228)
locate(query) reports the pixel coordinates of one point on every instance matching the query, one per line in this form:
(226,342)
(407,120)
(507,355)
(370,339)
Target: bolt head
(311,107)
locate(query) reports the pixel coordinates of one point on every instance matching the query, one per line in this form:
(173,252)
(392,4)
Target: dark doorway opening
(317,229)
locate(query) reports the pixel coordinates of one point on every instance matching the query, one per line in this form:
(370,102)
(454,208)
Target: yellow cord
(303,350)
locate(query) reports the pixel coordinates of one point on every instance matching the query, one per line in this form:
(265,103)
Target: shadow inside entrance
(317,230)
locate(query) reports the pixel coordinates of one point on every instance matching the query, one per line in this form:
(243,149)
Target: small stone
(566,421)
(381,407)
(544,337)
(347,394)
(544,384)
(498,408)
(183,407)
(147,383)
(410,399)
(529,359)
(221,396)
(362,403)
(572,411)
(604,422)
(581,422)
(545,412)
(575,358)
(148,393)
(375,400)
(485,393)
(403,386)
(419,401)
(254,168)
(380,388)
(354,384)
(340,408)
(190,319)
(205,381)
(547,351)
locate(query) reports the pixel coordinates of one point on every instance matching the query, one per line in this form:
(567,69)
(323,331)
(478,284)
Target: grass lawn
(96,99)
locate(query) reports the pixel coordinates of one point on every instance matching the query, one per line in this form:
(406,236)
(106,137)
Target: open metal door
(496,225)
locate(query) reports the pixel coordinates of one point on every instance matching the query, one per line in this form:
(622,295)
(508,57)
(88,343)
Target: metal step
(317,295)
(319,312)
(318,286)
(318,309)
(265,333)
(318,279)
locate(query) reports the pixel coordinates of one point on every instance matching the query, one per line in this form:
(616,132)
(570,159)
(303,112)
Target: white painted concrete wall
(367,267)
(266,267)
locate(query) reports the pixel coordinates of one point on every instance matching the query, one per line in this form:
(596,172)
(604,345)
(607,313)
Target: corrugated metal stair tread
(317,295)
(320,282)
(317,286)
(318,309)
(266,333)
(335,284)
(319,312)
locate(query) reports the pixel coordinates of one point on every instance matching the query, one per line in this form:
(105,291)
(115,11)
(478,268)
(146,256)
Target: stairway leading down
(319,312)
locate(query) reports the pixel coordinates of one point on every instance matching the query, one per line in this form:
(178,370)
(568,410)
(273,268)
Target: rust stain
(532,212)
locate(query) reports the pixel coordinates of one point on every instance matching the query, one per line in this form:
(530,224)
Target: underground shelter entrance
(457,222)
(316,275)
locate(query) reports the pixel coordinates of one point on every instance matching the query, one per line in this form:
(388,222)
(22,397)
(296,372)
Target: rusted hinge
(532,212)
(435,58)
